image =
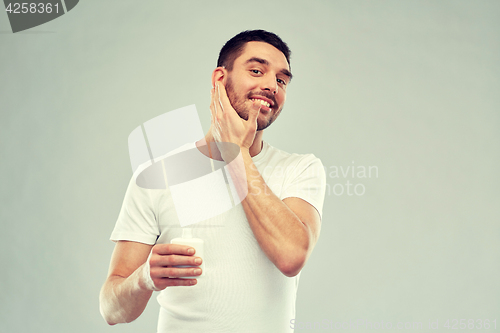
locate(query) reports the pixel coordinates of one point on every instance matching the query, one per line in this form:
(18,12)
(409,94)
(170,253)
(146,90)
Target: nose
(270,84)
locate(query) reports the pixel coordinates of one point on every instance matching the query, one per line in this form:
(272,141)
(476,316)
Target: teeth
(262,102)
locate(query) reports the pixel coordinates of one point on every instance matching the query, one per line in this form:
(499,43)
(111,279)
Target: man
(255,251)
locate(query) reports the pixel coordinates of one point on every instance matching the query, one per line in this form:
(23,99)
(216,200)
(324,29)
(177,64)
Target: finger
(224,99)
(168,282)
(212,93)
(217,131)
(218,85)
(165,249)
(216,112)
(213,110)
(219,111)
(174,260)
(216,128)
(254,113)
(174,272)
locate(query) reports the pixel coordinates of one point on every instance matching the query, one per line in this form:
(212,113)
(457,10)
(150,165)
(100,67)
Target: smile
(261,102)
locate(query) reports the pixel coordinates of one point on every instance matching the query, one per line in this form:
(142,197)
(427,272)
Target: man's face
(260,73)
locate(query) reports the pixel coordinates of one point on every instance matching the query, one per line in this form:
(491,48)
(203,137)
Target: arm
(286,230)
(127,289)
(124,295)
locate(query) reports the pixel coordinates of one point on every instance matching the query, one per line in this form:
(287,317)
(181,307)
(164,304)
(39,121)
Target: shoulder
(293,159)
(277,161)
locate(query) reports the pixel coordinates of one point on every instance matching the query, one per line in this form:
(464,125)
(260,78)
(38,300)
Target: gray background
(408,86)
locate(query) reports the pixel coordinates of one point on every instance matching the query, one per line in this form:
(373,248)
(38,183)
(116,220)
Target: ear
(219,74)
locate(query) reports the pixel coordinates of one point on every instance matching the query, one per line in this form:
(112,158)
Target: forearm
(123,299)
(285,239)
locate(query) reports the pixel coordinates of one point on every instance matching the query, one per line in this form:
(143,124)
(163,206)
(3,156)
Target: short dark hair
(234,47)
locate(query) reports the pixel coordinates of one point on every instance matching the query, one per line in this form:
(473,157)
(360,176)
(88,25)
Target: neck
(255,148)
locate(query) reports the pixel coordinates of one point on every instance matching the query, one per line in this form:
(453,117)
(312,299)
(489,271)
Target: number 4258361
(31,7)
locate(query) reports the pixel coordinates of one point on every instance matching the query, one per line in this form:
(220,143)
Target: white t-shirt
(241,290)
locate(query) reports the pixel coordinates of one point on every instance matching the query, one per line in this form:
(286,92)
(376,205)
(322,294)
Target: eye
(255,71)
(280,81)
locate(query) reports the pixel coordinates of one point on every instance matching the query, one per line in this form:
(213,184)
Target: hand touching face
(260,74)
(227,125)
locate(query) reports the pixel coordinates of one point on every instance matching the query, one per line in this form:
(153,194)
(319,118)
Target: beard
(242,109)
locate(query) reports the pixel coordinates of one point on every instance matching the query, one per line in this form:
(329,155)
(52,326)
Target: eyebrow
(284,71)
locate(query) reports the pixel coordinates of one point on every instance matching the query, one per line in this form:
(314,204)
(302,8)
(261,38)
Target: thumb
(145,275)
(254,112)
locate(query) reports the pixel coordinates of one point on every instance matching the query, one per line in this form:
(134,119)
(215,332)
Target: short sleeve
(307,181)
(137,219)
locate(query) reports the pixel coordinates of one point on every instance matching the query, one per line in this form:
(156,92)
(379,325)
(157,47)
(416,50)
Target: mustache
(265,94)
